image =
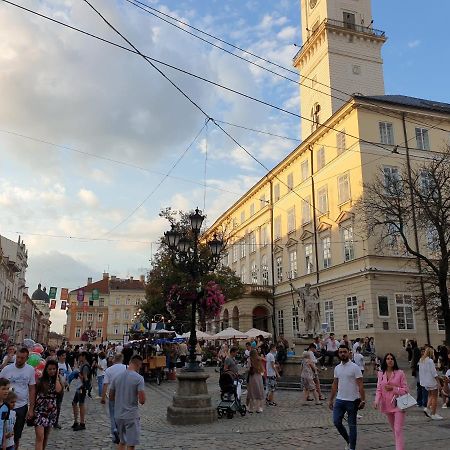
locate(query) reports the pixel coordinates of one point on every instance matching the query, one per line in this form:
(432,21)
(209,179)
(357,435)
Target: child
(4,409)
(9,424)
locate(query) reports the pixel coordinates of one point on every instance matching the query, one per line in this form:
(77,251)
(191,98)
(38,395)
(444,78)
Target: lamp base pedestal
(191,403)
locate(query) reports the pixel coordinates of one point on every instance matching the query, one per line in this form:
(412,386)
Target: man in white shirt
(111,374)
(348,390)
(356,344)
(331,348)
(22,379)
(272,375)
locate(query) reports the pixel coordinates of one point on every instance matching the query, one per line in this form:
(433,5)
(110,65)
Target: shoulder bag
(405,401)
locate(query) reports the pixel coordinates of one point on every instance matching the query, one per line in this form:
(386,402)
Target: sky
(64,95)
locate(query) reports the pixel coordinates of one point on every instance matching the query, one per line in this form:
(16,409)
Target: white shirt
(347,374)
(20,379)
(447,374)
(331,346)
(10,428)
(112,372)
(101,367)
(359,360)
(270,358)
(119,348)
(355,346)
(13,359)
(427,373)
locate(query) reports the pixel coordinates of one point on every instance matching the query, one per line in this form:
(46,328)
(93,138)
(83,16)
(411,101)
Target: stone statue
(310,301)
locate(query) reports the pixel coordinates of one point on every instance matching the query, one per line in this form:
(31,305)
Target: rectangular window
(349,246)
(277,227)
(326,251)
(243,275)
(235,252)
(116,315)
(252,209)
(116,330)
(391,180)
(276,192)
(295,321)
(243,247)
(304,170)
(306,210)
(352,313)
(383,306)
(252,242)
(349,20)
(242,216)
(264,238)
(126,315)
(279,268)
(405,314)
(128,301)
(433,241)
(344,188)
(90,317)
(262,201)
(320,158)
(264,271)
(308,258)
(117,301)
(101,302)
(422,139)
(280,321)
(99,332)
(290,181)
(441,323)
(254,273)
(293,264)
(100,317)
(78,332)
(329,315)
(322,199)
(291,219)
(79,316)
(386,133)
(340,142)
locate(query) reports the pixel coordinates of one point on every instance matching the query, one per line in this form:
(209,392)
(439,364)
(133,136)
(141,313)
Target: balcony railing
(346,25)
(257,290)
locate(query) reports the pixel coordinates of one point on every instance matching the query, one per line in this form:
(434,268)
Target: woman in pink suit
(392,384)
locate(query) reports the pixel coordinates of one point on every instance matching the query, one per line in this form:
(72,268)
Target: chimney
(89,281)
(142,278)
(105,275)
(113,277)
(131,278)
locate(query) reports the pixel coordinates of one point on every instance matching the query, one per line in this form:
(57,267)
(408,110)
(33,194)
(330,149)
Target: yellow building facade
(297,225)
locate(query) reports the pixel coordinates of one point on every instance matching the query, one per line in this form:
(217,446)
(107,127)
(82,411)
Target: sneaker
(116,439)
(347,447)
(359,416)
(80,427)
(436,417)
(444,406)
(427,412)
(75,425)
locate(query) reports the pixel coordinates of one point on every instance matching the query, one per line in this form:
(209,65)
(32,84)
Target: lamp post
(192,404)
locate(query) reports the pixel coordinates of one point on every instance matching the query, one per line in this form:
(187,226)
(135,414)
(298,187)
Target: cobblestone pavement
(288,426)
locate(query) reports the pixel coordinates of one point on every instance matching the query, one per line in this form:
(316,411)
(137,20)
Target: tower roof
(40,294)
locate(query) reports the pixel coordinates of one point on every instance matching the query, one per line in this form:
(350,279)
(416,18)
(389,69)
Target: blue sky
(64,88)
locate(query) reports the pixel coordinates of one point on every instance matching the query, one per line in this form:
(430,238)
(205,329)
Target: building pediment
(291,242)
(306,235)
(323,225)
(343,216)
(277,249)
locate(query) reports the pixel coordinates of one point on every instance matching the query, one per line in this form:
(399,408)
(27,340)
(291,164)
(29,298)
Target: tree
(165,275)
(396,204)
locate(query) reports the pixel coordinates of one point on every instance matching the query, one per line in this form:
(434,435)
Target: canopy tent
(200,335)
(162,332)
(230,333)
(254,332)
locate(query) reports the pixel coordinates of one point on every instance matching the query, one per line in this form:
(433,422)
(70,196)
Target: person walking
(127,390)
(10,357)
(45,411)
(308,373)
(391,384)
(110,374)
(79,399)
(255,386)
(22,379)
(272,375)
(429,379)
(64,371)
(348,390)
(102,365)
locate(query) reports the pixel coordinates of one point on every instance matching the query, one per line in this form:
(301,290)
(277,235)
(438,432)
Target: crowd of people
(28,399)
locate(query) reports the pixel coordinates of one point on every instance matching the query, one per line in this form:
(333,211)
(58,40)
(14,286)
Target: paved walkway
(289,426)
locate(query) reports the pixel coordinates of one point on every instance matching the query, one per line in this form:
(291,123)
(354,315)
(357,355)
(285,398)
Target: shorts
(432,388)
(79,397)
(21,415)
(129,431)
(271,384)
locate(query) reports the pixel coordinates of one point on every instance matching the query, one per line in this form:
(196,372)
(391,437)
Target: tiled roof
(102,286)
(404,100)
(126,284)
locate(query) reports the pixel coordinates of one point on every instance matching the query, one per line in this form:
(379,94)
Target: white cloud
(88,198)
(415,43)
(287,33)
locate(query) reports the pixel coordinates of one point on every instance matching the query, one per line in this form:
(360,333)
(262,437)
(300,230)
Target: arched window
(315,117)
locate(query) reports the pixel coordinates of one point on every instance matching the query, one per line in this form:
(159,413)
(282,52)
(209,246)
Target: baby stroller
(230,396)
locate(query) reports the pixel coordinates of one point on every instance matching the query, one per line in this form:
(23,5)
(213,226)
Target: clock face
(312,3)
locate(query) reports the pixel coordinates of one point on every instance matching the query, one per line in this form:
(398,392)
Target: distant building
(41,301)
(13,266)
(110,316)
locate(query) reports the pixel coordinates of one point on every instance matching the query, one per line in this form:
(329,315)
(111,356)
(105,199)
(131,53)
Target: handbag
(405,401)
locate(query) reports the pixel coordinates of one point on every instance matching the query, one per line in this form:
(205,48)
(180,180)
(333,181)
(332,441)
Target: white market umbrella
(230,333)
(254,332)
(200,335)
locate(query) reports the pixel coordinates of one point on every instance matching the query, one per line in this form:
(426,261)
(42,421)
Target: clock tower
(340,56)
